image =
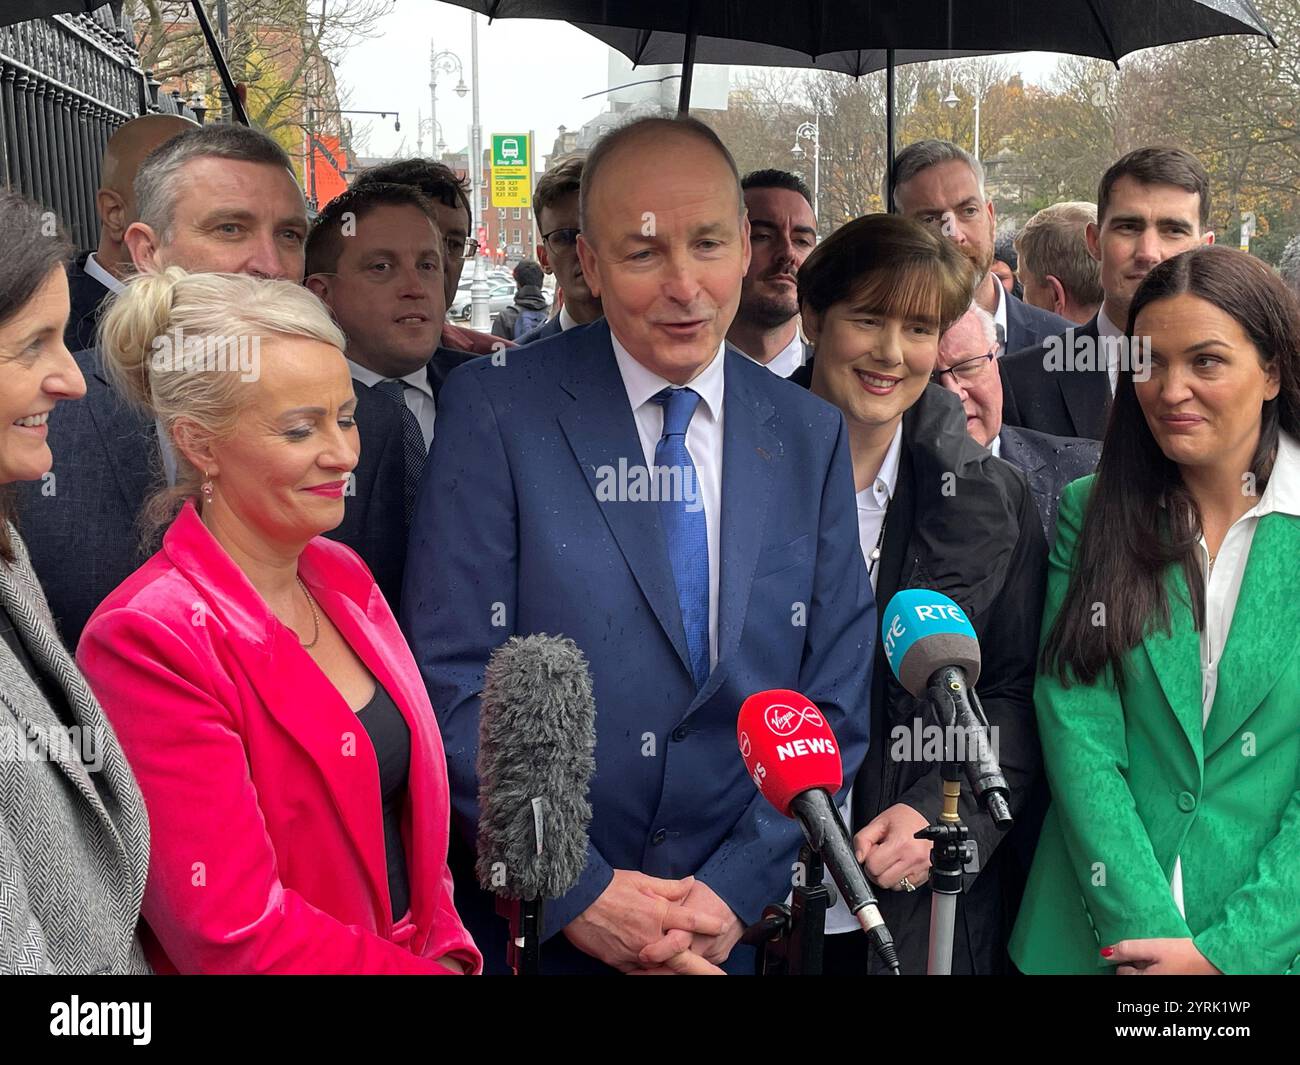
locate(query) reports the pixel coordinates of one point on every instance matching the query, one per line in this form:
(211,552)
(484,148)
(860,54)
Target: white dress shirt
(788,359)
(418,398)
(1000,315)
(1109,336)
(995,446)
(1223,583)
(873,503)
(95,270)
(703,442)
(566,319)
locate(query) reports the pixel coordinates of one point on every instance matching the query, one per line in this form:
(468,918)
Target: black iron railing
(66,83)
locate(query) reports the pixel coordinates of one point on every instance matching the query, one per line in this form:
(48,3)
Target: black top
(53,692)
(391,739)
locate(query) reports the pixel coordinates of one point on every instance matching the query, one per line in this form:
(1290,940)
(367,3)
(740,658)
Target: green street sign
(510,149)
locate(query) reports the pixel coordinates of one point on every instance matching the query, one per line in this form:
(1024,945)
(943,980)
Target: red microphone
(793,758)
(787,746)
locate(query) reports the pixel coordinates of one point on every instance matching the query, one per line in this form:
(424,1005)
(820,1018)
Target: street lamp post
(811,131)
(952,100)
(481,318)
(447,62)
(312,115)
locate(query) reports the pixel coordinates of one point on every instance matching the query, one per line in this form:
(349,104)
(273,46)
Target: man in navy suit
(1152,204)
(376,257)
(941,185)
(783,233)
(555,201)
(737,572)
(218,198)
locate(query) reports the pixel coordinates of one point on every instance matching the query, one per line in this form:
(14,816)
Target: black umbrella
(22,10)
(860,36)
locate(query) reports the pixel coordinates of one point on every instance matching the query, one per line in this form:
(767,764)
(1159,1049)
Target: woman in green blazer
(1169,695)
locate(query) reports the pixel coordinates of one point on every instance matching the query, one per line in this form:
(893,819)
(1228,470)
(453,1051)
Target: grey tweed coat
(74,834)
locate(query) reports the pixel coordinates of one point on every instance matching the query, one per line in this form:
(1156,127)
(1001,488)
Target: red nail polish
(1106,952)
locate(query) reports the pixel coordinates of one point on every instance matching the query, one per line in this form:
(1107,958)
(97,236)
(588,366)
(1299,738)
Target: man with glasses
(967,367)
(450,198)
(555,203)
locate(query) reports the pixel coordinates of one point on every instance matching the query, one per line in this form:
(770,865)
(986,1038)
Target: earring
(207,487)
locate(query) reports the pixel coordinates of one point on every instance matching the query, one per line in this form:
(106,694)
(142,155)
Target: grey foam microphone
(536,756)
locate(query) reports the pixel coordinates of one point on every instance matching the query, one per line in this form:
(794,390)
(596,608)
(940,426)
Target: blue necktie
(685,527)
(413,452)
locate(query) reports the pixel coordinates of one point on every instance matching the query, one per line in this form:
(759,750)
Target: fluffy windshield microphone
(793,759)
(536,756)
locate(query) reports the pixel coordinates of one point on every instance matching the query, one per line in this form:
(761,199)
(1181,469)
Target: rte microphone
(934,653)
(536,756)
(793,758)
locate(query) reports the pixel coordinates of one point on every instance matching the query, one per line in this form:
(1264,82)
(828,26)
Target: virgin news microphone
(932,648)
(791,754)
(536,756)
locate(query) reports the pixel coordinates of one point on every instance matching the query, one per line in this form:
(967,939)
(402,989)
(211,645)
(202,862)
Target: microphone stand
(524,948)
(948,857)
(953,848)
(790,938)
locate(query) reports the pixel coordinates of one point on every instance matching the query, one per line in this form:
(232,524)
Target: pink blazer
(262,786)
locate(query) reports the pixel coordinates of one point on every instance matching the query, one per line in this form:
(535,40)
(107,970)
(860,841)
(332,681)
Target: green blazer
(1136,781)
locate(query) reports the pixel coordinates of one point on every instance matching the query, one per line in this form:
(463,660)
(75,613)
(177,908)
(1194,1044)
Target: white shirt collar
(789,358)
(882,488)
(93,269)
(643,384)
(996,446)
(1000,315)
(1282,493)
(566,319)
(1105,327)
(419,379)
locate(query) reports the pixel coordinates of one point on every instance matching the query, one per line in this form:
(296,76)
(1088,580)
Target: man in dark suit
(98,274)
(555,202)
(218,198)
(738,572)
(967,352)
(1152,204)
(941,185)
(376,258)
(783,232)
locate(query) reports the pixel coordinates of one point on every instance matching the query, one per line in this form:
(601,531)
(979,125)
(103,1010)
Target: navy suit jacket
(509,538)
(1059,401)
(87,295)
(1049,463)
(1028,325)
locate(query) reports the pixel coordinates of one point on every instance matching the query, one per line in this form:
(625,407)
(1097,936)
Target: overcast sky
(533,74)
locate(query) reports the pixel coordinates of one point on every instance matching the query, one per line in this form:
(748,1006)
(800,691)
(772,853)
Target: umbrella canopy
(21,10)
(852,36)
(861,36)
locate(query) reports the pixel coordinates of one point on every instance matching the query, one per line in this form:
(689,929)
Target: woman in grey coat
(74,835)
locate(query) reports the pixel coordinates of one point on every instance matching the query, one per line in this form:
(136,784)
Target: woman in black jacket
(937,511)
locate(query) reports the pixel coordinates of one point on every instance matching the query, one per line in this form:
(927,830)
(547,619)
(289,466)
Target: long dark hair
(33,245)
(1140,517)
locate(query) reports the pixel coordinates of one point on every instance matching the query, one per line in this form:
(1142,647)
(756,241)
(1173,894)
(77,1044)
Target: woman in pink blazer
(289,758)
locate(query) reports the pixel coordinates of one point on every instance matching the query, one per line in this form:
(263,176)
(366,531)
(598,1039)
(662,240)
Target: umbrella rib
(1105,34)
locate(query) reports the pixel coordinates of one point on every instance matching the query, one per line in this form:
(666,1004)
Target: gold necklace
(315,616)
